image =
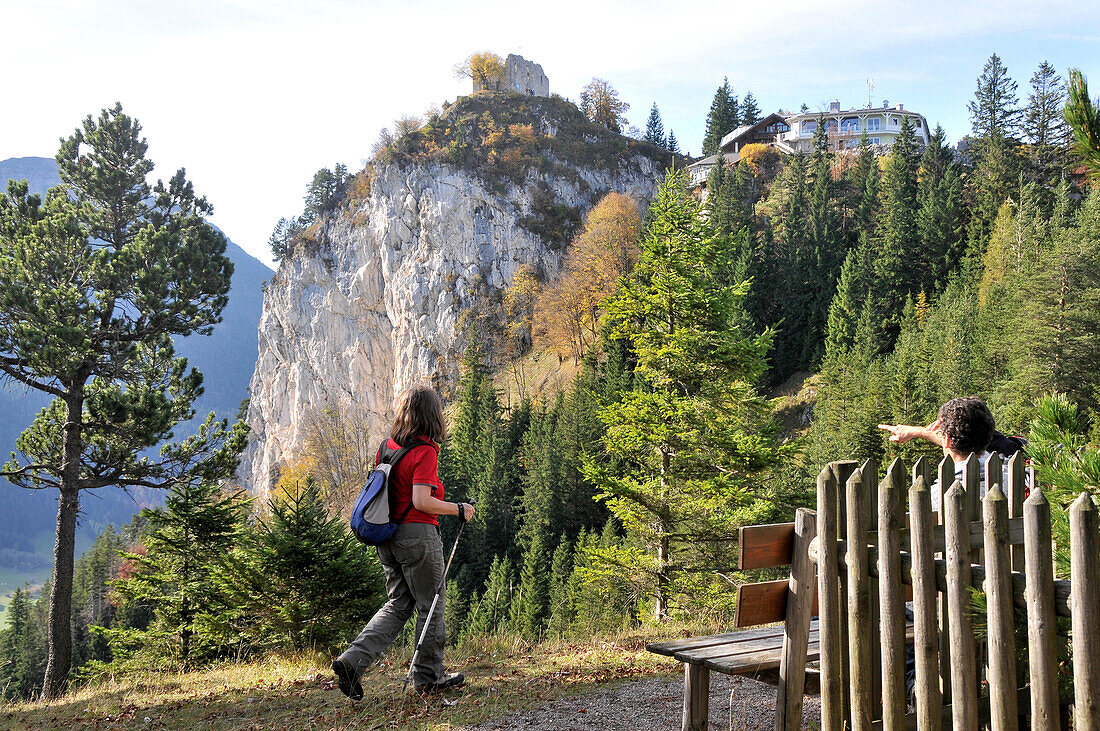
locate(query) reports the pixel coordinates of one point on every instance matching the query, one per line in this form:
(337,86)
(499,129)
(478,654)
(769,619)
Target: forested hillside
(901,278)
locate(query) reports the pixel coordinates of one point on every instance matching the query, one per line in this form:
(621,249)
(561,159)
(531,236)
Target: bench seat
(749,652)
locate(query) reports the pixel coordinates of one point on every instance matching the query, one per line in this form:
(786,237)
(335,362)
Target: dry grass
(503,675)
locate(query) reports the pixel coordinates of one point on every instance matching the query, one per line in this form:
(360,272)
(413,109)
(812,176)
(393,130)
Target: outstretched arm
(902,433)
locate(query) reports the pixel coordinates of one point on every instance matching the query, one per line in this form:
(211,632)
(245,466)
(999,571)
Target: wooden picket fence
(872,556)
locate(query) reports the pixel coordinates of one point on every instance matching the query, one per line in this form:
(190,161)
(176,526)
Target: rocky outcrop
(378,306)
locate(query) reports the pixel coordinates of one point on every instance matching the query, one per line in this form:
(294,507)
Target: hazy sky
(253,96)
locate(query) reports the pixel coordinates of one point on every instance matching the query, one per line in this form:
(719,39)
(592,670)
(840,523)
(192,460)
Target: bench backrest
(765,547)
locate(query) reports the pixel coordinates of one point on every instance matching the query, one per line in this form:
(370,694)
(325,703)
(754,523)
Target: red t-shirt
(418,467)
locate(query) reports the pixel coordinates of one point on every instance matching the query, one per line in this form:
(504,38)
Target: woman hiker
(413,558)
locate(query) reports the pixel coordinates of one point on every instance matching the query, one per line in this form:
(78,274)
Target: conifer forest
(715,349)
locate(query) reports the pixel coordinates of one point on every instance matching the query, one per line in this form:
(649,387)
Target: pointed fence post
(891,596)
(800,603)
(925,634)
(945,477)
(832,687)
(1084,526)
(859,605)
(1017,486)
(964,679)
(1002,627)
(1042,651)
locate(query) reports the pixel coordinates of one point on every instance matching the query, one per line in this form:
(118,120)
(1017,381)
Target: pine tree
(92,605)
(94,285)
(687,460)
(654,129)
(722,118)
(1083,118)
(750,112)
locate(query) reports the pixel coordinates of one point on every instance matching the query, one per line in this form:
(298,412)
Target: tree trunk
(60,638)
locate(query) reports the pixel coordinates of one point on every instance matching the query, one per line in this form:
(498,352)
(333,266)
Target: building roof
(852,112)
(747,129)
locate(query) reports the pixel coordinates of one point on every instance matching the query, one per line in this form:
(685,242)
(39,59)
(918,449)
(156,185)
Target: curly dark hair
(968,424)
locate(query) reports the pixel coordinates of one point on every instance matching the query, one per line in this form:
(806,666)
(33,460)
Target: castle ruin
(520,76)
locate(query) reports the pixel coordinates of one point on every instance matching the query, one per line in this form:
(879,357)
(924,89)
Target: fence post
(832,688)
(1002,629)
(964,680)
(800,604)
(945,478)
(925,634)
(1085,598)
(859,605)
(891,598)
(843,469)
(1042,653)
(1016,488)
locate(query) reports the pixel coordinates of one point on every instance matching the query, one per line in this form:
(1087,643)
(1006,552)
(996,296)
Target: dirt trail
(656,704)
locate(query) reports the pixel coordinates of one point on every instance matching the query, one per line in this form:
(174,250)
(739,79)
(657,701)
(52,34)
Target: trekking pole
(431,610)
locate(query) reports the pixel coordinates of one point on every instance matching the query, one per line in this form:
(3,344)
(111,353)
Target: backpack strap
(390,457)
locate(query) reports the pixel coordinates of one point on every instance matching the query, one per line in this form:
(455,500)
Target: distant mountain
(226,359)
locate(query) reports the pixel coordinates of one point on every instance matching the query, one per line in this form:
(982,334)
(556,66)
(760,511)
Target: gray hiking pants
(413,562)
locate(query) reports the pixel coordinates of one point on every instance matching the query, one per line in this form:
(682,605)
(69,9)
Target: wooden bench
(774,654)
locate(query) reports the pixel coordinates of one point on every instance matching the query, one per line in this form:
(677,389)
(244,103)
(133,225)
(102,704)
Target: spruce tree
(995,119)
(654,129)
(22,649)
(300,564)
(559,606)
(492,611)
(939,214)
(1046,132)
(672,145)
(530,607)
(897,263)
(95,284)
(722,118)
(689,442)
(750,112)
(175,573)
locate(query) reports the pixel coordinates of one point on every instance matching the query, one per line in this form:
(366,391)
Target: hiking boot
(447,682)
(347,679)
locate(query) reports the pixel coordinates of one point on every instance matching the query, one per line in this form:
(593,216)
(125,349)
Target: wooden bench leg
(696,697)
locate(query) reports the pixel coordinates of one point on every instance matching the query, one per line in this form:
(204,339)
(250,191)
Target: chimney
(900,107)
(885,104)
(834,106)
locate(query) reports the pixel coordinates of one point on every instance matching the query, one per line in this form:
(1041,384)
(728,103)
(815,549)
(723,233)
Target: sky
(254,96)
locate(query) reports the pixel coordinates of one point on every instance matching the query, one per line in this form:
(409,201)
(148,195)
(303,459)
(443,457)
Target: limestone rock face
(378,307)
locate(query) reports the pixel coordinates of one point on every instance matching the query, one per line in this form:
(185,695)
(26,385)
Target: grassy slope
(299,692)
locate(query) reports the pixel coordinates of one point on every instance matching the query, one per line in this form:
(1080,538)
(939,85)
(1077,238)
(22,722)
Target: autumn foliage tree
(600,102)
(568,310)
(485,69)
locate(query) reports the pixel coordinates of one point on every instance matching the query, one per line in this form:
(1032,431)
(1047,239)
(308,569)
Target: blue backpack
(371,520)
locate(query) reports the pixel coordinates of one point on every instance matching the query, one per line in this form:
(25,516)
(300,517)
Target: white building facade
(845,128)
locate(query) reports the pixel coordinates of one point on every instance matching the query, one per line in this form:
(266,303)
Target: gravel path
(656,704)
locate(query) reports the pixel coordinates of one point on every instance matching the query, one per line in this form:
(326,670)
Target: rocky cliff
(376,302)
